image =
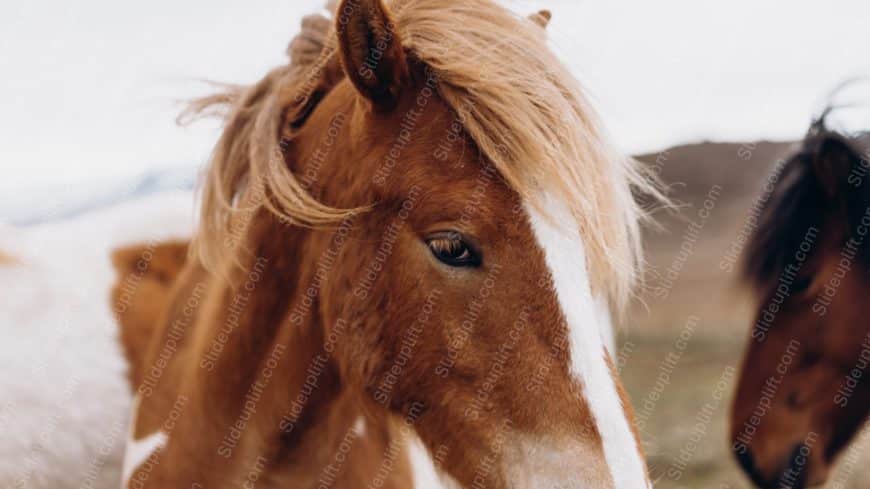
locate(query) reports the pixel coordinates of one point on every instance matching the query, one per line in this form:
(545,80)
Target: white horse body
(64,398)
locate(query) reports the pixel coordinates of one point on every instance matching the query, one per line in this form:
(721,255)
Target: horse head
(800,399)
(415,248)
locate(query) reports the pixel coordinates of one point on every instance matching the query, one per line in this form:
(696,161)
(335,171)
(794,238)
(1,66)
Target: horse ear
(371,51)
(542,18)
(832,164)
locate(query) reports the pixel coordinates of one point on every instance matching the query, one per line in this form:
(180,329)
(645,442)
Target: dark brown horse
(802,395)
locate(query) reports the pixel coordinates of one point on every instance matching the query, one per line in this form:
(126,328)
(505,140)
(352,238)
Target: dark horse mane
(826,174)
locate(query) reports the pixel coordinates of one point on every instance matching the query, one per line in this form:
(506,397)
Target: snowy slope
(63,394)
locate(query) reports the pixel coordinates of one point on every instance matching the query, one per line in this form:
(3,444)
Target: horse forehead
(555,232)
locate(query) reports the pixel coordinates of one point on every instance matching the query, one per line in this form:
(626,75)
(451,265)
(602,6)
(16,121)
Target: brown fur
(791,412)
(235,346)
(145,277)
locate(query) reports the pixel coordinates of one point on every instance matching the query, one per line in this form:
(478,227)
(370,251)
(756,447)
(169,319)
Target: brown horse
(405,268)
(801,397)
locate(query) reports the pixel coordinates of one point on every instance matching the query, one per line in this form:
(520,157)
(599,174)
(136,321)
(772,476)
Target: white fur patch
(605,321)
(558,236)
(425,474)
(531,463)
(138,451)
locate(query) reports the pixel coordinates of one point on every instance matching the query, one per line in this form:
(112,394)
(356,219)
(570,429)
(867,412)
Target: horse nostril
(795,474)
(747,463)
(745,460)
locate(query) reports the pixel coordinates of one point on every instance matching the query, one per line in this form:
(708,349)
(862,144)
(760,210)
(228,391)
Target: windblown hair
(520,105)
(247,171)
(798,202)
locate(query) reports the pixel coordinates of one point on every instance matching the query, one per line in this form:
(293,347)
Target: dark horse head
(801,396)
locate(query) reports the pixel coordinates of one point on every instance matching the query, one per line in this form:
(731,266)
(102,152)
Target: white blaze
(557,234)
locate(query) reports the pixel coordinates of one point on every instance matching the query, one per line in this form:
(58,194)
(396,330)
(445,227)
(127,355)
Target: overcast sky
(89,90)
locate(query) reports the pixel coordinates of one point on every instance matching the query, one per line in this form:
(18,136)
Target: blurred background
(711,94)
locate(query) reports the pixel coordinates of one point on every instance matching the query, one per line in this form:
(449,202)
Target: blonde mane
(521,106)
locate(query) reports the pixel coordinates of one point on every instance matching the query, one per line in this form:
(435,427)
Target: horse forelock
(793,202)
(529,116)
(520,105)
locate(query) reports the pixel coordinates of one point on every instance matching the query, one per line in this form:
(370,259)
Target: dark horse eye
(451,249)
(801,284)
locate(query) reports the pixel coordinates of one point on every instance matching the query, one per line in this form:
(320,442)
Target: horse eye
(451,249)
(801,284)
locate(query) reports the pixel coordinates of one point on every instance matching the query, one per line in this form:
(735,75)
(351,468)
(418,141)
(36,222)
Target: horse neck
(241,385)
(258,388)
(305,417)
